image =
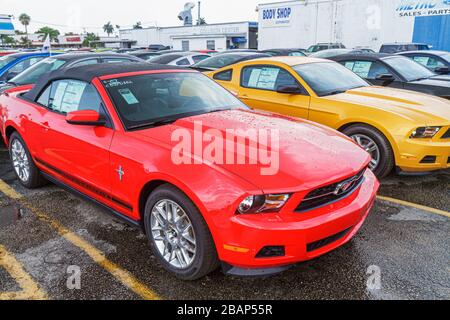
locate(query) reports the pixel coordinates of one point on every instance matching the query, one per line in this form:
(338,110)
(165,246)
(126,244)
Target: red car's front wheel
(178,234)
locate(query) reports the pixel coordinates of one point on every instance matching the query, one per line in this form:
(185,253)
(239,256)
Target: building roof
(89,72)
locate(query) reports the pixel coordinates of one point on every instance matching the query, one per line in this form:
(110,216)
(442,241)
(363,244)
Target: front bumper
(304,236)
(413,154)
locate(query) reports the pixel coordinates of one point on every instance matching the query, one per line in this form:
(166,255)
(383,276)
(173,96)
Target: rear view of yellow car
(402,129)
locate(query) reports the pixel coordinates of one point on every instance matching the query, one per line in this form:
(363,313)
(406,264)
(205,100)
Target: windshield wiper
(153,124)
(335,92)
(422,78)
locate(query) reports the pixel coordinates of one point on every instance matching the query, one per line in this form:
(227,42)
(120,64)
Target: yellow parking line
(416,206)
(123,276)
(30,290)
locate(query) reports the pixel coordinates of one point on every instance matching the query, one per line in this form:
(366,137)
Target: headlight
(261,204)
(425,132)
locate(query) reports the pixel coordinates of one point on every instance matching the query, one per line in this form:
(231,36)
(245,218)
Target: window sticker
(362,68)
(113,83)
(58,96)
(129,97)
(349,65)
(72,96)
(264,78)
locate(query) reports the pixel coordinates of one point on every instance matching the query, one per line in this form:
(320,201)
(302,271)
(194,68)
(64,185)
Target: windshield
(144,100)
(446,57)
(6,60)
(408,69)
(219,61)
(327,78)
(165,58)
(324,54)
(32,74)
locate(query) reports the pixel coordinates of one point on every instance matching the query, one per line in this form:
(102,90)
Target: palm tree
(47,31)
(25,21)
(201,21)
(108,28)
(138,25)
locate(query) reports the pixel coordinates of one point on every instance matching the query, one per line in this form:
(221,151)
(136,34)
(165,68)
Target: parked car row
(103,126)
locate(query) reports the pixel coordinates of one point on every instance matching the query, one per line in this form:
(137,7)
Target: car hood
(414,106)
(310,155)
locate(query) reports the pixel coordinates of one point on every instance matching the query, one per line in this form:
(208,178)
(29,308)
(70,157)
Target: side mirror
(387,78)
(290,89)
(442,70)
(85,118)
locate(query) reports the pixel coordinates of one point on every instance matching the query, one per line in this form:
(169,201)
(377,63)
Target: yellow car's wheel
(376,144)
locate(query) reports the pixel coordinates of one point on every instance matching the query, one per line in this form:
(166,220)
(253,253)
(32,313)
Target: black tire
(206,259)
(35,179)
(387,160)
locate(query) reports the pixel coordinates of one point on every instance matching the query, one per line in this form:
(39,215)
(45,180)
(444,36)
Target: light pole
(199,12)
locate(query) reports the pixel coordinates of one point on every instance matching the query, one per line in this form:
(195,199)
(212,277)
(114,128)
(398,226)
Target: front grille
(329,194)
(324,242)
(446,135)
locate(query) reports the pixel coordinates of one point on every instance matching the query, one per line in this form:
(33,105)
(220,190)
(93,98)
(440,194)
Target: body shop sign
(276,17)
(411,8)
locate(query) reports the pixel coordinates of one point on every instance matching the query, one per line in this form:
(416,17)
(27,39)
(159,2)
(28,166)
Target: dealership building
(354,23)
(220,36)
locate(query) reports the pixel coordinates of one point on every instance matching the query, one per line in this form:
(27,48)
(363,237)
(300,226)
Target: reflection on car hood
(310,155)
(415,106)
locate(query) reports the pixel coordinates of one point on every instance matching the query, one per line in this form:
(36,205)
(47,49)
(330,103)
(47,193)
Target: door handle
(243,96)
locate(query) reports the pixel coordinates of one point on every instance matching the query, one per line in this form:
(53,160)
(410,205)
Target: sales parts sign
(418,8)
(276,17)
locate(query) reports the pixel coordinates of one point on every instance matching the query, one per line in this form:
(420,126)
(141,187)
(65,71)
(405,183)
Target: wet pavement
(407,247)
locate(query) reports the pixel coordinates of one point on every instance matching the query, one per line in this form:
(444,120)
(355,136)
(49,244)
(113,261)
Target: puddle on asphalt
(10,215)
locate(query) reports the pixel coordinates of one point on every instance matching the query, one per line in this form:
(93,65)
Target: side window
(266,78)
(226,75)
(72,95)
(429,62)
(85,63)
(366,69)
(43,98)
(183,62)
(199,58)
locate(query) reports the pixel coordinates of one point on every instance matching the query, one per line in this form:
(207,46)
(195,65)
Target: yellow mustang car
(399,128)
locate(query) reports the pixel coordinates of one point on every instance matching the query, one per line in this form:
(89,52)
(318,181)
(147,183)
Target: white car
(181,59)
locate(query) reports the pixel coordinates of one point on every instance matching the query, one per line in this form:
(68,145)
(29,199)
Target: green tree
(90,37)
(201,21)
(47,31)
(25,42)
(138,25)
(25,21)
(5,39)
(108,28)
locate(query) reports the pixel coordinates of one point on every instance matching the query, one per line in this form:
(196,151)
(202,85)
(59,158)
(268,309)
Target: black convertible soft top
(89,72)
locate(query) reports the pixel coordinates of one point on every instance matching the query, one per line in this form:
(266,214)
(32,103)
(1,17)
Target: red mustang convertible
(159,147)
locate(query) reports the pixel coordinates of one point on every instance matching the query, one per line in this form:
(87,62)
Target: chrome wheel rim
(20,160)
(370,146)
(173,234)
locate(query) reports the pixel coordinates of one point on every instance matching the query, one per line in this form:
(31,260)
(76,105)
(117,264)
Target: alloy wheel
(173,234)
(370,146)
(20,160)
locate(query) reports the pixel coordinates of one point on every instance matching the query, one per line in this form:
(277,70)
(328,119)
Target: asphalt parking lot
(47,236)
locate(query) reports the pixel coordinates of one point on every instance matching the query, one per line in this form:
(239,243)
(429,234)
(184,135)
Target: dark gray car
(64,61)
(396,71)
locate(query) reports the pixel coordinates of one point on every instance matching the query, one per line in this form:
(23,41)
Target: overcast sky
(74,15)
